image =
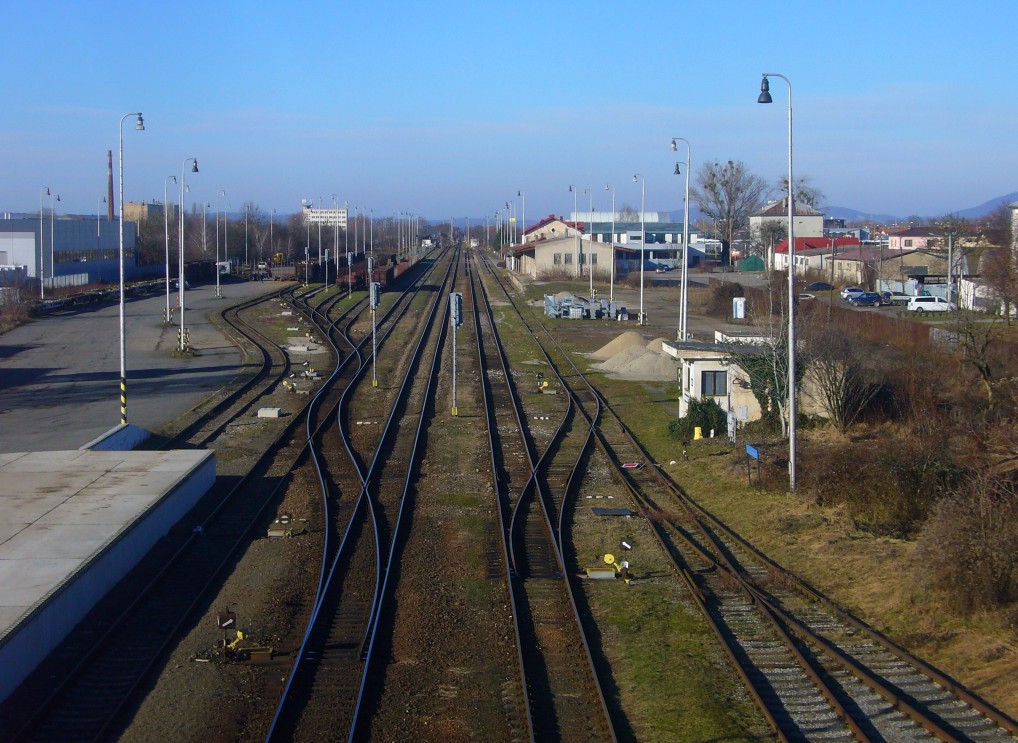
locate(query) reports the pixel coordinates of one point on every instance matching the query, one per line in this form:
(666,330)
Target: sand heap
(627,357)
(626,340)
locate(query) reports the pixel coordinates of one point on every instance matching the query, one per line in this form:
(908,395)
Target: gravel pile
(627,340)
(627,357)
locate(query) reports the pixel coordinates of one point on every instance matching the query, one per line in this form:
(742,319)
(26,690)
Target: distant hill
(854,215)
(988,206)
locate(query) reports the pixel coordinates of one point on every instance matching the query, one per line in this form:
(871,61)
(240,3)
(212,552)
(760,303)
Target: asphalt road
(60,375)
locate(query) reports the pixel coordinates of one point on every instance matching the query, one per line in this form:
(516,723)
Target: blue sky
(450,108)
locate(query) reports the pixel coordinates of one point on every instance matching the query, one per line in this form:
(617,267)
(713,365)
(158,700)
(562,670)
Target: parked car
(850,291)
(662,268)
(930,304)
(819,286)
(804,295)
(866,299)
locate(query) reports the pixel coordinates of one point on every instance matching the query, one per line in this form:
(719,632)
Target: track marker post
(373,295)
(456,319)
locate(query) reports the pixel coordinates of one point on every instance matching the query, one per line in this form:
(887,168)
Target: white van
(930,304)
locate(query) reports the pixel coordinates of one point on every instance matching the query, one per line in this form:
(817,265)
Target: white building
(333,217)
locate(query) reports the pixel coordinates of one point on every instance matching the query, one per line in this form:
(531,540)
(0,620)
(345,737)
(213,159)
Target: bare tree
(728,193)
(1000,266)
(805,192)
(843,372)
(767,236)
(628,214)
(766,362)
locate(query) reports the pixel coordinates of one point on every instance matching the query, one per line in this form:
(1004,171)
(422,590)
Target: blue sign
(751,451)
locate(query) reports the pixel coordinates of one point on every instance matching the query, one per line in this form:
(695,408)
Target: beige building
(139,211)
(564,257)
(706,371)
(808,221)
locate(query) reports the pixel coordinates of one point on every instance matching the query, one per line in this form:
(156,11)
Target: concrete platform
(72,524)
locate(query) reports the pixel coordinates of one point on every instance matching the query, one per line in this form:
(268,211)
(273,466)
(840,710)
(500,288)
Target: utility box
(739,308)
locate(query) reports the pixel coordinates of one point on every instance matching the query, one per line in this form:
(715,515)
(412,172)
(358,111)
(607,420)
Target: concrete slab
(72,524)
(60,376)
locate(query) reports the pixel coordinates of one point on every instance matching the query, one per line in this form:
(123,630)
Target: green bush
(706,414)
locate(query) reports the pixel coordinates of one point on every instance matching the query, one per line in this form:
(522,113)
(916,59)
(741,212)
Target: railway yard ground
(449,651)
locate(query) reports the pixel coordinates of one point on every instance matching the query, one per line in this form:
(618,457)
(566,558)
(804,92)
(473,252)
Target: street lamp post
(181,277)
(576,227)
(219,290)
(643,236)
(346,245)
(590,238)
(765,97)
(611,287)
(523,195)
(139,126)
(98,224)
(42,250)
(272,247)
(166,224)
(52,234)
(684,289)
(246,209)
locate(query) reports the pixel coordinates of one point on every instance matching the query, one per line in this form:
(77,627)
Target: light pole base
(219,293)
(374,382)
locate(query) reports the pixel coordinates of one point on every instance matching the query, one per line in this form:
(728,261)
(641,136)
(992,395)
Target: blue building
(69,251)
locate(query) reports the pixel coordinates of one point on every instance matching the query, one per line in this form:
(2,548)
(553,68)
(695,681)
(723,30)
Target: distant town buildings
(331,216)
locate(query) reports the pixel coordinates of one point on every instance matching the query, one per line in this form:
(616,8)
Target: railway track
(563,697)
(327,686)
(815,671)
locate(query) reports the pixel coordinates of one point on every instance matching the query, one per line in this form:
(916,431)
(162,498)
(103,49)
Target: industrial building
(68,252)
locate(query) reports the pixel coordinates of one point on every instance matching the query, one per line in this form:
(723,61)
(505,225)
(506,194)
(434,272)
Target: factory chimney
(109,185)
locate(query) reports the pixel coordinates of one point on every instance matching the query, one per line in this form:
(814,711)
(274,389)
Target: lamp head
(675,146)
(677,170)
(519,193)
(47,190)
(173,178)
(765,91)
(58,197)
(570,189)
(140,125)
(194,167)
(635,179)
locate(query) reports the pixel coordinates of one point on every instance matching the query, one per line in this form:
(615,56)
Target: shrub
(888,487)
(969,548)
(706,414)
(719,304)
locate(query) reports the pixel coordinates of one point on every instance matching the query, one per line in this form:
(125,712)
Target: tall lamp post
(523,195)
(590,238)
(219,290)
(139,126)
(42,250)
(765,97)
(166,224)
(98,224)
(611,287)
(52,234)
(181,276)
(684,289)
(272,252)
(643,236)
(576,228)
